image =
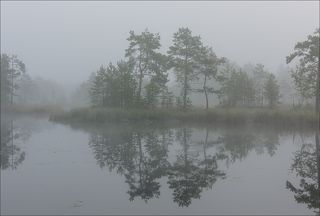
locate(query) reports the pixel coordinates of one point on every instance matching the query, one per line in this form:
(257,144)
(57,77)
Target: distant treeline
(20,91)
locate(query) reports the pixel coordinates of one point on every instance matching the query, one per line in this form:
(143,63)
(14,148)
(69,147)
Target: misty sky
(66,41)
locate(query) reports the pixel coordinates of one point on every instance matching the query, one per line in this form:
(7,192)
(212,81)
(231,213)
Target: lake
(51,168)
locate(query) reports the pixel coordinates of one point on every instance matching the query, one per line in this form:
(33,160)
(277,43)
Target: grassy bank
(36,109)
(278,117)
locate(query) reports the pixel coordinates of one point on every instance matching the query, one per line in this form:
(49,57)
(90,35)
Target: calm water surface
(50,168)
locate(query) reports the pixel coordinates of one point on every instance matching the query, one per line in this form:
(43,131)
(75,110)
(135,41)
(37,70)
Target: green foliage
(167,99)
(113,86)
(126,84)
(141,81)
(306,75)
(184,58)
(146,60)
(259,76)
(271,91)
(237,90)
(121,85)
(152,90)
(208,69)
(97,88)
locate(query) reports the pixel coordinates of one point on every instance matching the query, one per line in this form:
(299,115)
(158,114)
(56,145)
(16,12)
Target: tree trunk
(318,93)
(185,80)
(12,72)
(185,92)
(139,88)
(205,91)
(141,70)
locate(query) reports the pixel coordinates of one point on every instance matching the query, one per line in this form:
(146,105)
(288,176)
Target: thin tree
(184,55)
(97,87)
(208,68)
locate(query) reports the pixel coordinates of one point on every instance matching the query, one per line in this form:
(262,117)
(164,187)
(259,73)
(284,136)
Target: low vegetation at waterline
(216,115)
(37,109)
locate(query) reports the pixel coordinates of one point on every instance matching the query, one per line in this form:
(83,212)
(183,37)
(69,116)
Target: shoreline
(230,116)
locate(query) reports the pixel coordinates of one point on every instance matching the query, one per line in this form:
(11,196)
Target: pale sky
(66,41)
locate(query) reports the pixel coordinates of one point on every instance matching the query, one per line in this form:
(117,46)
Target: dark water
(49,168)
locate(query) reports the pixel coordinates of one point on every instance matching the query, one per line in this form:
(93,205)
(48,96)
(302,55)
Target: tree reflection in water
(306,164)
(15,132)
(141,156)
(189,175)
(149,165)
(11,136)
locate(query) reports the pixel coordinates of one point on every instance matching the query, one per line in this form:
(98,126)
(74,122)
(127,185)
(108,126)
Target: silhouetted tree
(208,69)
(307,74)
(184,55)
(147,60)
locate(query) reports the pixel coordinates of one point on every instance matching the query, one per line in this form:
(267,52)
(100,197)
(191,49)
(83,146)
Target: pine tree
(208,69)
(143,53)
(307,73)
(184,58)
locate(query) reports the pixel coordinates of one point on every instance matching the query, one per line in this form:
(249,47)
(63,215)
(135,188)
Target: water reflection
(15,132)
(142,156)
(306,165)
(11,137)
(189,174)
(235,144)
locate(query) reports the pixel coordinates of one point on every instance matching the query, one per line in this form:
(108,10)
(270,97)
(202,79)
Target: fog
(66,41)
(148,108)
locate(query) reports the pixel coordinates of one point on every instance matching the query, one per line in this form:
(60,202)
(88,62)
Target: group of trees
(121,85)
(141,79)
(39,92)
(251,88)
